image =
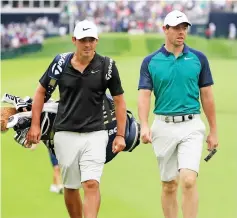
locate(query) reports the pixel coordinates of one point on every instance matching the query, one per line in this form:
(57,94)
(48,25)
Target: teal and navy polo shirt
(175,81)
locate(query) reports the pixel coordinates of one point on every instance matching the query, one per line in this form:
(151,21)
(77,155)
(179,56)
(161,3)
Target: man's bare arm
(144,101)
(34,133)
(208,105)
(38,103)
(120,112)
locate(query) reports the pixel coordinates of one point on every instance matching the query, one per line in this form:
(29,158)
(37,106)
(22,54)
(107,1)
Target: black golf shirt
(81,95)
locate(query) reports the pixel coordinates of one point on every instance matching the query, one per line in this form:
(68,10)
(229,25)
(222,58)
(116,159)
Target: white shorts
(81,156)
(177,145)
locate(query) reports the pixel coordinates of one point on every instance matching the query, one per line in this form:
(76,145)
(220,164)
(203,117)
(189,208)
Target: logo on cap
(84,29)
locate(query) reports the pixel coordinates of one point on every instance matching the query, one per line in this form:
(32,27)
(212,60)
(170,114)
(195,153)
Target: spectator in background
(232,31)
(56,186)
(212,28)
(207,32)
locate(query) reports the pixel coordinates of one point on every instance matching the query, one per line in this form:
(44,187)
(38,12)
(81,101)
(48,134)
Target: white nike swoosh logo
(94,71)
(187,58)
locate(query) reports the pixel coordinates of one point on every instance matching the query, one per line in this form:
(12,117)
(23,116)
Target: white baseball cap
(84,29)
(175,18)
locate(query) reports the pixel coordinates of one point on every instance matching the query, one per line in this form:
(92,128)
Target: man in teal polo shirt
(177,74)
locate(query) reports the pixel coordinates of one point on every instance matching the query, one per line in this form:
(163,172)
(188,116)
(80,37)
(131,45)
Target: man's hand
(145,134)
(118,144)
(212,141)
(33,136)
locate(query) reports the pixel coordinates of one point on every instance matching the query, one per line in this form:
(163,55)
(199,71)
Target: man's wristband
(120,135)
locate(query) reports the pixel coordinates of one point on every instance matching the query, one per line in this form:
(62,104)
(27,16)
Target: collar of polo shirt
(167,53)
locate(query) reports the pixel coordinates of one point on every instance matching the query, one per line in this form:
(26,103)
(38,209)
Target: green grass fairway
(130,185)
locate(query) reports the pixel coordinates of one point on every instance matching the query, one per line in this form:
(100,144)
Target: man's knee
(90,185)
(70,192)
(188,182)
(170,187)
(188,178)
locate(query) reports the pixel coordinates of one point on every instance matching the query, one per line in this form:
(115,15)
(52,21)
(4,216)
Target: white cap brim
(177,23)
(86,33)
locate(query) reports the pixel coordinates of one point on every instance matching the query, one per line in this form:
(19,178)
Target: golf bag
(21,123)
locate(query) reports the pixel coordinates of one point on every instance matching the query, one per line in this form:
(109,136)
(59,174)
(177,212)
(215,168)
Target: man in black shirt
(80,139)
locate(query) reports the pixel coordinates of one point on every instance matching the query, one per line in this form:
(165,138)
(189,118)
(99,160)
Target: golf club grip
(209,156)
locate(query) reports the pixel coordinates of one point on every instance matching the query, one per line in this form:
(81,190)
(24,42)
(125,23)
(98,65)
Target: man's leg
(189,157)
(91,166)
(170,180)
(165,148)
(73,202)
(56,175)
(68,148)
(56,186)
(169,199)
(91,202)
(189,193)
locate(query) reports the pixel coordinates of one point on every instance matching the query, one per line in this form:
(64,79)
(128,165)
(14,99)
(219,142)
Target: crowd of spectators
(138,16)
(224,6)
(141,16)
(15,35)
(111,16)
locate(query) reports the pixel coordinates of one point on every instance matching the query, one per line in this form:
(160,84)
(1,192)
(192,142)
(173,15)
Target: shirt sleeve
(114,83)
(205,76)
(145,81)
(45,79)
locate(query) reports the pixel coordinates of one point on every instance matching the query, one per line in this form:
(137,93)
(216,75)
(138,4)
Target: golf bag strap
(104,81)
(107,109)
(50,146)
(54,72)
(129,112)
